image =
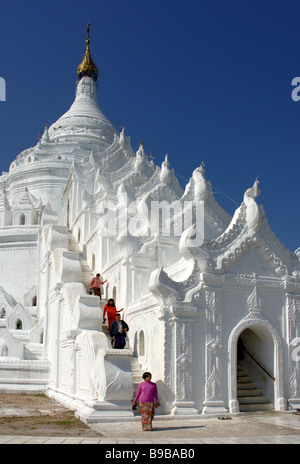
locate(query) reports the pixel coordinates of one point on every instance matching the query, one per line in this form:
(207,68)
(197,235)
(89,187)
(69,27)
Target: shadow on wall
(165,398)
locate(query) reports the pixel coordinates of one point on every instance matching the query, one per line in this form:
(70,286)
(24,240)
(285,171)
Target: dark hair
(113,302)
(97,275)
(146,374)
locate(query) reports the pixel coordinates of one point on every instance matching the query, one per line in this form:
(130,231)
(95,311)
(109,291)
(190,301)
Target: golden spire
(87,67)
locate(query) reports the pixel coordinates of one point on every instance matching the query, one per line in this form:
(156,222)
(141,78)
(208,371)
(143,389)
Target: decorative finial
(87,67)
(252,193)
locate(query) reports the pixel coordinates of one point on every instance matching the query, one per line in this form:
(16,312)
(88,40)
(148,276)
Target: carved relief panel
(293,315)
(181,324)
(213,353)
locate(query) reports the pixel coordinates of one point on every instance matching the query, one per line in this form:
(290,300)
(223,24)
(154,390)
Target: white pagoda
(212,301)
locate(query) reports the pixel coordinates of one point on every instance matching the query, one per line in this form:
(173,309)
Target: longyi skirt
(147,414)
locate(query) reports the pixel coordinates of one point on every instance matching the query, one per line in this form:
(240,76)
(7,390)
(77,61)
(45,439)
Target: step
(250,397)
(137,380)
(249,392)
(137,369)
(245,386)
(137,373)
(73,245)
(253,399)
(86,272)
(243,379)
(256,407)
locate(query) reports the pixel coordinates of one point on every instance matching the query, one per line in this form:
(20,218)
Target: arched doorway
(255,348)
(255,367)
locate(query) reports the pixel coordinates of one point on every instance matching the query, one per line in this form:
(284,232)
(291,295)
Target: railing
(273,378)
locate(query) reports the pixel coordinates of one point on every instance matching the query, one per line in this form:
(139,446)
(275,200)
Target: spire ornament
(87,67)
(255,304)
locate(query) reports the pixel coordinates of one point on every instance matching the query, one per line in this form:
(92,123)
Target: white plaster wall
(18,270)
(45,180)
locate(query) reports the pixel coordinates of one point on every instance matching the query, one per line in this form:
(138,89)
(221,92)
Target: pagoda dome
(84,119)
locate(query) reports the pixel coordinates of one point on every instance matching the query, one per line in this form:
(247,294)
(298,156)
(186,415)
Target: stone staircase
(137,369)
(249,397)
(85,268)
(86,275)
(73,244)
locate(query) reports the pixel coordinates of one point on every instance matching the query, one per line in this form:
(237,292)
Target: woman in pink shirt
(95,285)
(147,396)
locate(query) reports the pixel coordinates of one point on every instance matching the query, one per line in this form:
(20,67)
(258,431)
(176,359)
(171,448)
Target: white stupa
(212,301)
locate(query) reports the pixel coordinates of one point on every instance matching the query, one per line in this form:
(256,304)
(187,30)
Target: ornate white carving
(182,371)
(213,370)
(293,313)
(252,211)
(255,303)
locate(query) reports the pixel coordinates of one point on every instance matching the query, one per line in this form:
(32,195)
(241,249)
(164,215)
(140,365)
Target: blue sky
(200,80)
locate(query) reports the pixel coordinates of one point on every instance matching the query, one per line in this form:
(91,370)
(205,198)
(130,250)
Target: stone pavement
(272,428)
